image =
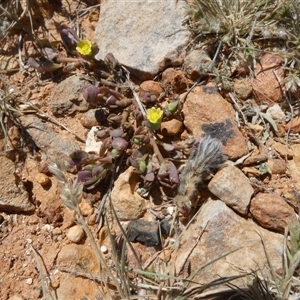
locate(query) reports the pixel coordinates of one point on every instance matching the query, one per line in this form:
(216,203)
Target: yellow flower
(84,47)
(154,116)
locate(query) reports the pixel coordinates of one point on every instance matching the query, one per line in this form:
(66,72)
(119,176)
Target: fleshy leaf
(78,157)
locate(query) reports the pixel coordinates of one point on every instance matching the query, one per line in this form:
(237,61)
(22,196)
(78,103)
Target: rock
(292,197)
(151,87)
(266,87)
(85,208)
(91,145)
(217,230)
(82,259)
(206,111)
(33,220)
(171,128)
(227,185)
(277,166)
(55,145)
(42,179)
(14,197)
(271,211)
(293,125)
(175,80)
(104,249)
(67,97)
(93,117)
(282,150)
(75,234)
(144,232)
(69,218)
(243,89)
(56,231)
(129,205)
(276,113)
(159,37)
(196,64)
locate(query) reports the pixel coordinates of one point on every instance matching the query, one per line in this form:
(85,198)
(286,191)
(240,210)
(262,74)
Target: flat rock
(13,197)
(54,144)
(129,205)
(206,111)
(266,87)
(67,97)
(152,39)
(217,230)
(271,211)
(227,185)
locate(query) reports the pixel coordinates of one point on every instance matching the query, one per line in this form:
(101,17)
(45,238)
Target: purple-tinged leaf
(150,177)
(84,176)
(97,170)
(116,133)
(91,95)
(33,63)
(119,144)
(78,157)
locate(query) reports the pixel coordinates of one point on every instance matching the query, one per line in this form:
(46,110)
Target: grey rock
(217,230)
(67,97)
(152,39)
(49,141)
(144,232)
(232,187)
(13,197)
(196,63)
(147,232)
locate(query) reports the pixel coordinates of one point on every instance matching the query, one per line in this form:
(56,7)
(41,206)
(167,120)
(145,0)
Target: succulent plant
(154,117)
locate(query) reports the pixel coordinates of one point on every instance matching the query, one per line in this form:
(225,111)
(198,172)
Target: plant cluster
(237,32)
(136,142)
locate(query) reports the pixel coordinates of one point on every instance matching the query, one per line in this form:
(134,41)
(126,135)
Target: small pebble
(42,179)
(33,220)
(75,234)
(171,128)
(85,208)
(29,281)
(56,231)
(103,249)
(55,284)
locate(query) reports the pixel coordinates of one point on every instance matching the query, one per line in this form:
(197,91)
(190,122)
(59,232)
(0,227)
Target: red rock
(294,125)
(175,79)
(271,211)
(277,166)
(266,87)
(152,87)
(171,128)
(205,106)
